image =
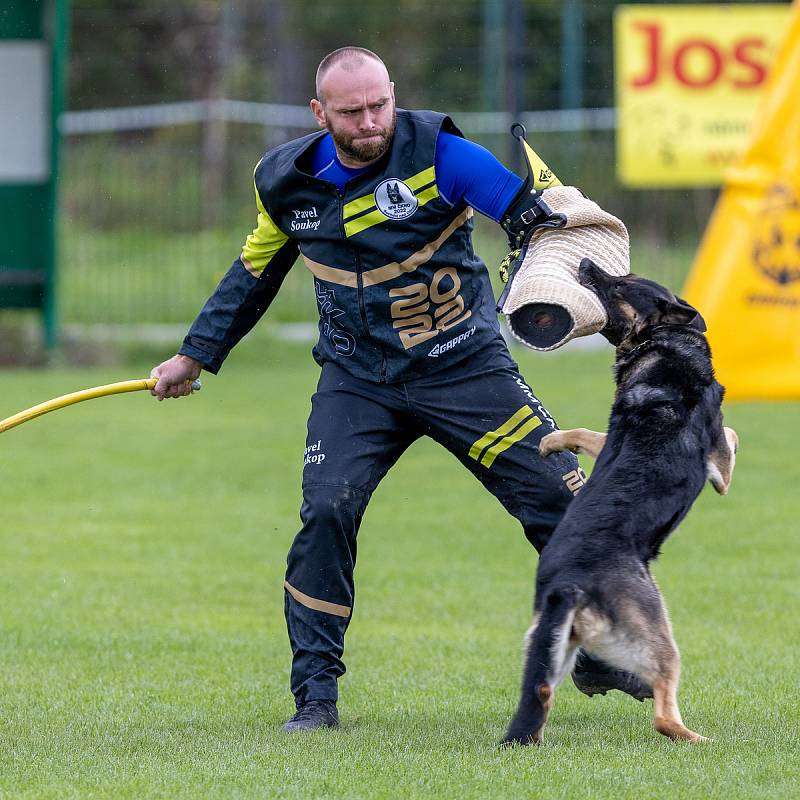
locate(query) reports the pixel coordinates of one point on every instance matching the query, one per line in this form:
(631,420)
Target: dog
(665,438)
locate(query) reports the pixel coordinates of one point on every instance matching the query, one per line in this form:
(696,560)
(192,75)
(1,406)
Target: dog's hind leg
(666,714)
(550,656)
(640,640)
(577,440)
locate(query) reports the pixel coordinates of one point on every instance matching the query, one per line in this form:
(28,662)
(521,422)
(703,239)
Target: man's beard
(361,150)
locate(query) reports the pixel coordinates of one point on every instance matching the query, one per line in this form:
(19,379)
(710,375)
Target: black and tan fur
(665,437)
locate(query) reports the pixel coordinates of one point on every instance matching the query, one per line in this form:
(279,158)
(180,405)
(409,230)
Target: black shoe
(593,676)
(313,715)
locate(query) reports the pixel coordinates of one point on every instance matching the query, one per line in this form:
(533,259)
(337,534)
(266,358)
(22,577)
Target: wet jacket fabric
(400,291)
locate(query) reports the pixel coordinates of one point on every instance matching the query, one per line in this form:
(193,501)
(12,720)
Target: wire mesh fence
(150,223)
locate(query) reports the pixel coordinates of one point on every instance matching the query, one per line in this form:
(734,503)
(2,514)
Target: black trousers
(482,411)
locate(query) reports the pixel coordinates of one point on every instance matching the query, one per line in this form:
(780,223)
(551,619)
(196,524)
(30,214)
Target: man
(379,205)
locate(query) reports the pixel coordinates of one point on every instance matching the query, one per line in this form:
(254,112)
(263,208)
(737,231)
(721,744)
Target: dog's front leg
(577,440)
(722,460)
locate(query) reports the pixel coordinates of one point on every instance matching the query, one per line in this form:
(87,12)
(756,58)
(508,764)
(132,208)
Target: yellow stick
(77,397)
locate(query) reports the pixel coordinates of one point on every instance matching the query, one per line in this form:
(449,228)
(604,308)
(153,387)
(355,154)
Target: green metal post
(515,76)
(493,55)
(572,72)
(572,54)
(60,47)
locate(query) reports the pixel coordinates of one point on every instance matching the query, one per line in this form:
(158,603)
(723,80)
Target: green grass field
(143,652)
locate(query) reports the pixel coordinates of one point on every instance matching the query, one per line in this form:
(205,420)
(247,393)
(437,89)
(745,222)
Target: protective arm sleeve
(243,295)
(466,171)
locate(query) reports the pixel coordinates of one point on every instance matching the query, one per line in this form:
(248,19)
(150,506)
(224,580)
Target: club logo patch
(395,200)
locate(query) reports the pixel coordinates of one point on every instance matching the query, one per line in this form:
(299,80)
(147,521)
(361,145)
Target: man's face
(357,106)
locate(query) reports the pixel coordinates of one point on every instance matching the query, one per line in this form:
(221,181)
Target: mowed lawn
(143,651)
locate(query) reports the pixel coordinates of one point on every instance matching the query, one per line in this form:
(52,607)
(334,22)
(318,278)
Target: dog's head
(634,304)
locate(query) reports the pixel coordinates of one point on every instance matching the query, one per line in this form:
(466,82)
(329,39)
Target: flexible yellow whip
(77,397)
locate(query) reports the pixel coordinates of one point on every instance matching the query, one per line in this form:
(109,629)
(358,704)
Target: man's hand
(175,377)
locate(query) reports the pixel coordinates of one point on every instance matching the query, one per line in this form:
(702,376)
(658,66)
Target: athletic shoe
(313,715)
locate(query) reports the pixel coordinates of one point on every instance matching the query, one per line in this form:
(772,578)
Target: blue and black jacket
(401,294)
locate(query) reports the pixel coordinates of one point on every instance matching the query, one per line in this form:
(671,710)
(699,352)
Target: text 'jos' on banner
(688,78)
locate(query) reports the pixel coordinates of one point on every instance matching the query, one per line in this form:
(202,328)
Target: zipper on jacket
(362,309)
(360,286)
(359,282)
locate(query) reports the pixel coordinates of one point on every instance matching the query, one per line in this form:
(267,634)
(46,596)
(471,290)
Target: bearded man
(379,204)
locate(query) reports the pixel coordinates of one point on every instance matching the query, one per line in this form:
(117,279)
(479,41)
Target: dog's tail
(547,659)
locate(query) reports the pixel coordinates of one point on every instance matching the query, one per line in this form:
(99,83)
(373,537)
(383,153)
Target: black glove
(526,213)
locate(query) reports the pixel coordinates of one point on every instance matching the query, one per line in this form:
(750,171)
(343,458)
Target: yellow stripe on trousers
(519,434)
(513,430)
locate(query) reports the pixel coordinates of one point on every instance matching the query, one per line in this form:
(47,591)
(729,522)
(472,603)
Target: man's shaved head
(355,102)
(348,58)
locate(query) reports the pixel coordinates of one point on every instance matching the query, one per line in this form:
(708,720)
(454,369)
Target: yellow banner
(688,78)
(746,278)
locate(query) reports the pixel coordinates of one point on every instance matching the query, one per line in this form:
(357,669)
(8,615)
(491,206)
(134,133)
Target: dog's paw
(554,442)
(521,734)
(518,741)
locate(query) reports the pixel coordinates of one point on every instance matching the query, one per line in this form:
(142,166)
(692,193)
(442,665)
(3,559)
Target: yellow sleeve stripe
(362,223)
(263,243)
(426,195)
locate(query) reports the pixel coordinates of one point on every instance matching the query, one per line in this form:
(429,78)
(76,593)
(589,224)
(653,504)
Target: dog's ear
(681,313)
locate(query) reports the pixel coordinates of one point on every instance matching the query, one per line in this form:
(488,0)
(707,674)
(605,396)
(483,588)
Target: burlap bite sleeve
(548,270)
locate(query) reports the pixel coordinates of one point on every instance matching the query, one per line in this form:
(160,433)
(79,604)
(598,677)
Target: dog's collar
(627,354)
(624,359)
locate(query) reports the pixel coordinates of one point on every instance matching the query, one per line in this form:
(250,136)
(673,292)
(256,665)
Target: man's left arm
(467,172)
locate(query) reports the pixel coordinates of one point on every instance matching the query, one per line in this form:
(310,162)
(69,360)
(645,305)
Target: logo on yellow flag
(776,239)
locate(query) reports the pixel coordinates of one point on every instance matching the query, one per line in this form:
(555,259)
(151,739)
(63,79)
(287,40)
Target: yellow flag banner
(746,277)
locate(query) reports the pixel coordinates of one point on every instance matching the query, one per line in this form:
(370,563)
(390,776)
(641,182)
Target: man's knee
(323,555)
(336,507)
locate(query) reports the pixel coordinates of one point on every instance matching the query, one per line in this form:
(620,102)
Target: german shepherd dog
(665,437)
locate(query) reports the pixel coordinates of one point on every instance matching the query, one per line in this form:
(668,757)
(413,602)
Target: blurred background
(169,106)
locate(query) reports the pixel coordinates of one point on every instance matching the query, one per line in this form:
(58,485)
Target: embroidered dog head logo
(395,199)
(394,193)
